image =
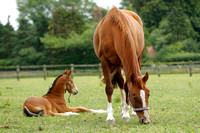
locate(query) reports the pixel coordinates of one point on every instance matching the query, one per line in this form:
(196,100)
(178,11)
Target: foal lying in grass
(53,103)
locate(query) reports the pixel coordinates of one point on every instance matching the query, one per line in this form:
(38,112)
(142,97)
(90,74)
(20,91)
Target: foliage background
(61,32)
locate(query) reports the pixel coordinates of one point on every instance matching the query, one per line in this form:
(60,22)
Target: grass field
(174,106)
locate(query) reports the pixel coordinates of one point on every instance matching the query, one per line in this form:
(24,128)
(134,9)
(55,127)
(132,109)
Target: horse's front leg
(125,107)
(108,89)
(124,104)
(127,104)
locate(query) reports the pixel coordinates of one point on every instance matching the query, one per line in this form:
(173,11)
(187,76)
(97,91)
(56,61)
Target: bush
(5,62)
(183,57)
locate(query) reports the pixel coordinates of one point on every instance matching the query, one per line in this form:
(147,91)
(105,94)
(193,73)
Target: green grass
(174,106)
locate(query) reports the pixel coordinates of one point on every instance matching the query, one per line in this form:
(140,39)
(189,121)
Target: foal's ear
(70,72)
(66,71)
(145,78)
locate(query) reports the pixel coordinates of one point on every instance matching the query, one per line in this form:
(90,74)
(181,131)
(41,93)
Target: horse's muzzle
(75,92)
(143,121)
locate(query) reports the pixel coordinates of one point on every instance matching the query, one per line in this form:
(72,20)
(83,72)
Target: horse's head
(70,87)
(138,98)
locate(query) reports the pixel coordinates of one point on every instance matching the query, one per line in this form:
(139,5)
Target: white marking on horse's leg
(142,95)
(125,107)
(71,113)
(122,100)
(110,118)
(133,113)
(126,115)
(98,111)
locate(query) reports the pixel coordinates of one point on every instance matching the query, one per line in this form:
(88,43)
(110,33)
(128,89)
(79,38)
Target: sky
(9,8)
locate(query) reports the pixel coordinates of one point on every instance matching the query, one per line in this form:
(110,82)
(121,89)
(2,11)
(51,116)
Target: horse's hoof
(133,114)
(126,118)
(111,121)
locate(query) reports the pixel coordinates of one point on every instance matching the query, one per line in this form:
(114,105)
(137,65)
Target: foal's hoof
(112,121)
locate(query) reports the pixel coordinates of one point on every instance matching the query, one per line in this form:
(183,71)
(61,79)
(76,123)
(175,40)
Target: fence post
(18,72)
(99,69)
(45,71)
(158,67)
(72,68)
(190,68)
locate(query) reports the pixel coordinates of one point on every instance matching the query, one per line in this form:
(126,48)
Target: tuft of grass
(8,88)
(170,105)
(117,98)
(190,84)
(6,104)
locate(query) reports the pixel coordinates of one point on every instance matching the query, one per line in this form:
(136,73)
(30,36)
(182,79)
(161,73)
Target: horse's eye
(135,98)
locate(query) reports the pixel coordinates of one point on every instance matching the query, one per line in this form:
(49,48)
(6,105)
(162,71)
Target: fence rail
(94,69)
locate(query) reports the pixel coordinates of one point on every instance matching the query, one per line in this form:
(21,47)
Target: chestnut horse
(119,42)
(53,103)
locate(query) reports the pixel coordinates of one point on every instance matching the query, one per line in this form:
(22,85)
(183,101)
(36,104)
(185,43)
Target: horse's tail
(28,113)
(113,77)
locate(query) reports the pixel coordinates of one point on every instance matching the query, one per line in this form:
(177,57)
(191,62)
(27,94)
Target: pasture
(174,106)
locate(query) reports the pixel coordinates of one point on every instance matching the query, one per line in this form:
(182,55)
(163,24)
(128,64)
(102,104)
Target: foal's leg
(108,89)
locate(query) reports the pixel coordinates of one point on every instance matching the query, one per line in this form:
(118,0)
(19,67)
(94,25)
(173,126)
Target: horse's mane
(127,48)
(114,16)
(53,85)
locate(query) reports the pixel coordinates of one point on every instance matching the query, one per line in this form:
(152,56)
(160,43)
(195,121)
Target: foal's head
(138,98)
(69,84)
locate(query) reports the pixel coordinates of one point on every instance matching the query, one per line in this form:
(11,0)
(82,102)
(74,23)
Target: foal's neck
(58,90)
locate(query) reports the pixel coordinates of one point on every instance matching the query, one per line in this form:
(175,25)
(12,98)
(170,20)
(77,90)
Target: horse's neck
(131,68)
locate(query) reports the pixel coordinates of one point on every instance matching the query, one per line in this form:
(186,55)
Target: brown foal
(53,103)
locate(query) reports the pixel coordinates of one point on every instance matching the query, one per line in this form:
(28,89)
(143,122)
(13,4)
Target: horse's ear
(145,78)
(66,71)
(70,72)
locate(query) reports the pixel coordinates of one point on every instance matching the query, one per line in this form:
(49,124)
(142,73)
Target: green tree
(153,12)
(26,36)
(38,12)
(7,40)
(64,21)
(135,5)
(77,48)
(84,7)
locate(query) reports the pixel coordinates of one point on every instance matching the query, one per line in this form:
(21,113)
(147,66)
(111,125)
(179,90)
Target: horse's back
(108,33)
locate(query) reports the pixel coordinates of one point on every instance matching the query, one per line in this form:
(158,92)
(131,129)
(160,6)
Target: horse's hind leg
(125,107)
(108,89)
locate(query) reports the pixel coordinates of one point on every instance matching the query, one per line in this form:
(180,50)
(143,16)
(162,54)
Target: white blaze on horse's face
(146,114)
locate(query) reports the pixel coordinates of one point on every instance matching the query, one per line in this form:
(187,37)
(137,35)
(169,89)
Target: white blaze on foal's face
(146,114)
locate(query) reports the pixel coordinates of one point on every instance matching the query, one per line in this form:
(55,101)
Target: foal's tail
(28,113)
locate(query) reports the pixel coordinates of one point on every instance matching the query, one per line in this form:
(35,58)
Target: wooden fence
(94,69)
